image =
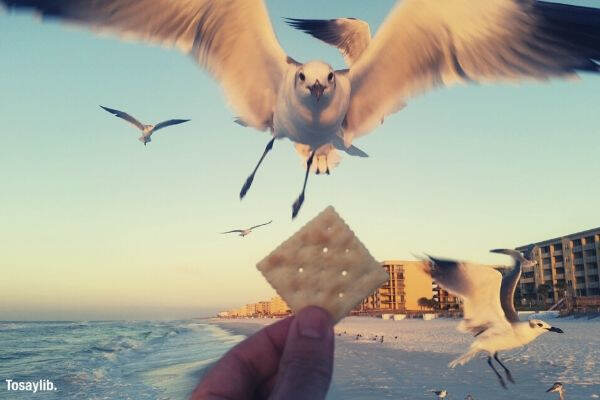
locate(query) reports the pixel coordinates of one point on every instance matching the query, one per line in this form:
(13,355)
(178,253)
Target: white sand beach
(413,358)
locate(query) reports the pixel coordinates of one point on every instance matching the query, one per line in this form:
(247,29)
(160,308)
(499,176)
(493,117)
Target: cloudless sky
(93,225)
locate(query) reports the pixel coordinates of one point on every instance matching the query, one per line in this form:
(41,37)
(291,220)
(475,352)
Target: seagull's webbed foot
(496,372)
(250,178)
(506,370)
(298,203)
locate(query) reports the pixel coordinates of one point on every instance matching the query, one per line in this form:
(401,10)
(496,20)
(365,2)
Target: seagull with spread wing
(244,232)
(488,307)
(421,45)
(147,130)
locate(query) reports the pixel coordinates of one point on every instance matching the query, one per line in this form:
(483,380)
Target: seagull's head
(557,387)
(542,327)
(315,80)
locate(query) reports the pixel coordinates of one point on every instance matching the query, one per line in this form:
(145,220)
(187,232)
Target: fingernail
(313,323)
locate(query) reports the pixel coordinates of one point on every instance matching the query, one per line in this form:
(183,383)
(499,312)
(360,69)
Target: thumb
(307,361)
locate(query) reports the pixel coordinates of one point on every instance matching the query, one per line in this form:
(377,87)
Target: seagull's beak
(555,329)
(317,89)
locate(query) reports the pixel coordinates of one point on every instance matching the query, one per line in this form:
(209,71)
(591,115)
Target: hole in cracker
(325,249)
(301,270)
(329,228)
(340,295)
(347,250)
(344,273)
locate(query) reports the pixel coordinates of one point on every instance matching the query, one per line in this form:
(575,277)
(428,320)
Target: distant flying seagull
(244,232)
(423,44)
(558,387)
(441,394)
(147,130)
(488,308)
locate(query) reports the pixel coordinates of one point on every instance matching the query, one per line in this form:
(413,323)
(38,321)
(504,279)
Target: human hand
(291,359)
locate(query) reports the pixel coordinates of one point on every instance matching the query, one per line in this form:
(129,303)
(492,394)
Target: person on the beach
(291,359)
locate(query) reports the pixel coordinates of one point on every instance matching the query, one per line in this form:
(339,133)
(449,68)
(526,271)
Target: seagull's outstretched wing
(234,231)
(233,39)
(256,226)
(350,35)
(479,288)
(509,284)
(428,43)
(125,116)
(170,122)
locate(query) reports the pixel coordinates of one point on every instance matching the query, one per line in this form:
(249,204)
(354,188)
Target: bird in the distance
(147,130)
(244,232)
(422,44)
(488,307)
(558,387)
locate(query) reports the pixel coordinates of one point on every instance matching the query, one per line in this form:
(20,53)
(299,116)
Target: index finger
(246,367)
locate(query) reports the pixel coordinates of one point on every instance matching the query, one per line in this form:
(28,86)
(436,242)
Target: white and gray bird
(559,388)
(147,130)
(441,394)
(244,232)
(488,307)
(421,45)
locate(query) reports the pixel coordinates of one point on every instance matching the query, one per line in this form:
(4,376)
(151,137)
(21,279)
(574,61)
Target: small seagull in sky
(558,387)
(488,307)
(147,130)
(441,394)
(244,232)
(422,45)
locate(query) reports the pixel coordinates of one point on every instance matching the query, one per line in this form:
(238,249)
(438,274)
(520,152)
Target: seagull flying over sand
(147,130)
(422,44)
(244,232)
(488,307)
(441,394)
(558,387)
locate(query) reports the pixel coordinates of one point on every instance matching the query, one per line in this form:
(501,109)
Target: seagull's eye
(301,76)
(330,77)
(540,325)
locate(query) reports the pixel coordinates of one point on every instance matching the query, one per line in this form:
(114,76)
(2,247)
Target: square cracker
(323,264)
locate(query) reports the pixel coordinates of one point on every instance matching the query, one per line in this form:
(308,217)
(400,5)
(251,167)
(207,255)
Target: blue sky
(95,225)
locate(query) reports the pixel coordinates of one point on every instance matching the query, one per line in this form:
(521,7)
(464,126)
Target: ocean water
(109,360)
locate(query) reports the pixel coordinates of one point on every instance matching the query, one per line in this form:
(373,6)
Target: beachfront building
(444,301)
(274,307)
(566,265)
(278,307)
(406,284)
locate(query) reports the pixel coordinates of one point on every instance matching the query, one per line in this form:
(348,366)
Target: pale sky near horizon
(93,225)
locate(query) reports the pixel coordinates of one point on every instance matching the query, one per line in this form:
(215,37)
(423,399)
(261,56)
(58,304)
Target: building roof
(550,241)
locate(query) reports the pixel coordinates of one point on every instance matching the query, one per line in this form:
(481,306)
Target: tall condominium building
(406,284)
(564,263)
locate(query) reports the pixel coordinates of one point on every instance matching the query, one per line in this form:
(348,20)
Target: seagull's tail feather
(465,358)
(326,157)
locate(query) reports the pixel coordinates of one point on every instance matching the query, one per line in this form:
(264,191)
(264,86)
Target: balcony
(560,276)
(589,246)
(580,273)
(578,261)
(528,280)
(559,264)
(593,285)
(590,259)
(577,248)
(558,252)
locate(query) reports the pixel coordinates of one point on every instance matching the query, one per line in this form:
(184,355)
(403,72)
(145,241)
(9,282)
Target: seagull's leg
(496,372)
(298,203)
(508,374)
(248,182)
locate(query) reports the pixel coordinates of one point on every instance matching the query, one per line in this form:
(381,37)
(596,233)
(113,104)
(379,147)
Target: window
(594,292)
(576,242)
(579,268)
(558,247)
(589,239)
(560,270)
(590,253)
(593,278)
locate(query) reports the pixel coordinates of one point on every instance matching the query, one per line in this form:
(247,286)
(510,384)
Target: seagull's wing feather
(170,122)
(509,285)
(428,43)
(350,35)
(256,226)
(124,116)
(232,39)
(479,288)
(234,231)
